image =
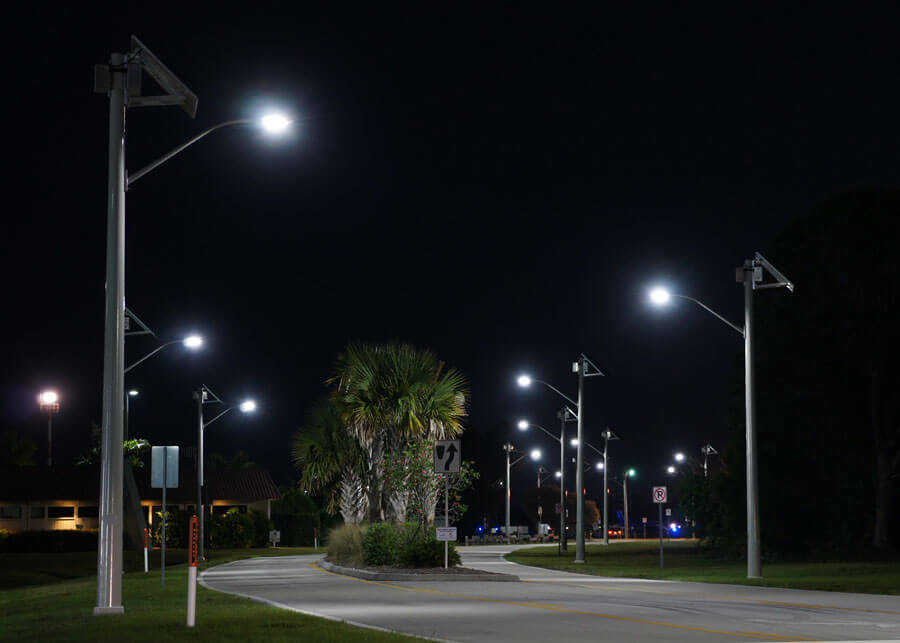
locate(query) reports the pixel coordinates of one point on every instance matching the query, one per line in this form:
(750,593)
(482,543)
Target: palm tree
(392,394)
(331,462)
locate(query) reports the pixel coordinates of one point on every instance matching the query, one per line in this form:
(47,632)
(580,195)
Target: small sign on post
(274,537)
(660,495)
(146,547)
(446,534)
(447,456)
(192,571)
(164,474)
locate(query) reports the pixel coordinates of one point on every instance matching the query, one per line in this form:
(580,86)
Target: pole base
(749,576)
(111,611)
(579,561)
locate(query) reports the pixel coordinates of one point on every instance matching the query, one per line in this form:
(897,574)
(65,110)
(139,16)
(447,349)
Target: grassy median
(61,610)
(685,561)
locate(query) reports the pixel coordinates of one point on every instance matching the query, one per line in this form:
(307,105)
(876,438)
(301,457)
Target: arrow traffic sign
(447,456)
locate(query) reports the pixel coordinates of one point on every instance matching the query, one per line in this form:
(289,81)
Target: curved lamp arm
(131,178)
(710,310)
(538,426)
(206,424)
(558,392)
(152,353)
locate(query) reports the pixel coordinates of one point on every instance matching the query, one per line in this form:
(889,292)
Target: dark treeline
(828,390)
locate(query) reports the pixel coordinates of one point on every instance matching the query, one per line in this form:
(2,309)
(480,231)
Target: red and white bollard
(192,572)
(146,555)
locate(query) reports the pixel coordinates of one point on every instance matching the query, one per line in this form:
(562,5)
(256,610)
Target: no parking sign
(660,495)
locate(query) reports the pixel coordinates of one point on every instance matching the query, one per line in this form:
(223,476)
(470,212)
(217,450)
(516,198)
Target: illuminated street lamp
(630,473)
(193,342)
(671,470)
(583,368)
(679,457)
(49,404)
(509,448)
(751,275)
(205,396)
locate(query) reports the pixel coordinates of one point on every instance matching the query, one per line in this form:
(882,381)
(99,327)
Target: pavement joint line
(327,617)
(568,610)
(719,598)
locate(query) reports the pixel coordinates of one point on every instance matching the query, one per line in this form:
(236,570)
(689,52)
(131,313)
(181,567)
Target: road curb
(365,574)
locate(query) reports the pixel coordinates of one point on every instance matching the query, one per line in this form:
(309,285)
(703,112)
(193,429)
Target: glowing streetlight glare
(248,406)
(679,457)
(523,380)
(558,474)
(574,442)
(48,397)
(535,454)
(599,466)
(523,424)
(132,393)
(660,296)
(275,123)
(670,469)
(192,341)
(631,473)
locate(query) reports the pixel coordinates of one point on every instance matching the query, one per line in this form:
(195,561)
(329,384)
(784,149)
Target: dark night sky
(498,185)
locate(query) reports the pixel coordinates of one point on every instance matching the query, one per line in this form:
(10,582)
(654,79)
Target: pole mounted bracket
(140,58)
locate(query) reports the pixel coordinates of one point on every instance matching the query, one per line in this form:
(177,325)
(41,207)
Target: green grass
(685,561)
(61,610)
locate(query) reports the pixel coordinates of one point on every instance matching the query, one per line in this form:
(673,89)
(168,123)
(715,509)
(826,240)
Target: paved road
(556,606)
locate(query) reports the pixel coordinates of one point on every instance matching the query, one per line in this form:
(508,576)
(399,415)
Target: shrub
(177,522)
(261,527)
(296,516)
(57,540)
(428,552)
(380,544)
(345,545)
(233,529)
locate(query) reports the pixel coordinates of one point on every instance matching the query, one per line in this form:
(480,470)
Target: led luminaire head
(248,406)
(599,466)
(48,397)
(523,381)
(631,473)
(679,457)
(275,123)
(535,454)
(574,442)
(670,469)
(192,341)
(523,425)
(133,393)
(660,296)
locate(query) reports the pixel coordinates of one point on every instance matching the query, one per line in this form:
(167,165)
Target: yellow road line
(568,610)
(620,588)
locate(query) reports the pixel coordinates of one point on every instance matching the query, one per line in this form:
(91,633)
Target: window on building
(13,512)
(37,511)
(224,509)
(88,512)
(61,512)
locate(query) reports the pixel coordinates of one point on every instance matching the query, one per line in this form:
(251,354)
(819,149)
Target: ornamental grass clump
(345,545)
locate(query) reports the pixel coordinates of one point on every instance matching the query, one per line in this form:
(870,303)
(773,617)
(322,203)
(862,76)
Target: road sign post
(163,473)
(447,458)
(660,496)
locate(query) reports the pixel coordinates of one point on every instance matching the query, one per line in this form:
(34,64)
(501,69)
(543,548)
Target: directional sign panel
(447,456)
(660,495)
(164,463)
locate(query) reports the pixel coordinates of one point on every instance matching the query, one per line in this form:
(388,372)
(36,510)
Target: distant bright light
(660,296)
(193,341)
(535,454)
(248,407)
(523,424)
(275,123)
(631,473)
(48,397)
(673,527)
(132,393)
(479,529)
(523,380)
(679,457)
(558,474)
(599,466)
(574,442)
(670,469)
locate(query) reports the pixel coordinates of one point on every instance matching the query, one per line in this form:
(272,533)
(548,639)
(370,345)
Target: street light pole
(606,436)
(579,474)
(625,493)
(200,396)
(563,537)
(109,553)
(507,447)
(754,567)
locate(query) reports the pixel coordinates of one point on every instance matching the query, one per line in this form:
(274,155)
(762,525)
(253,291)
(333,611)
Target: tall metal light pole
(508,448)
(607,436)
(49,403)
(707,450)
(751,275)
(204,395)
(630,473)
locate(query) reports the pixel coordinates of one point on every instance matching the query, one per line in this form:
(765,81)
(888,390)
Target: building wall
(50,514)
